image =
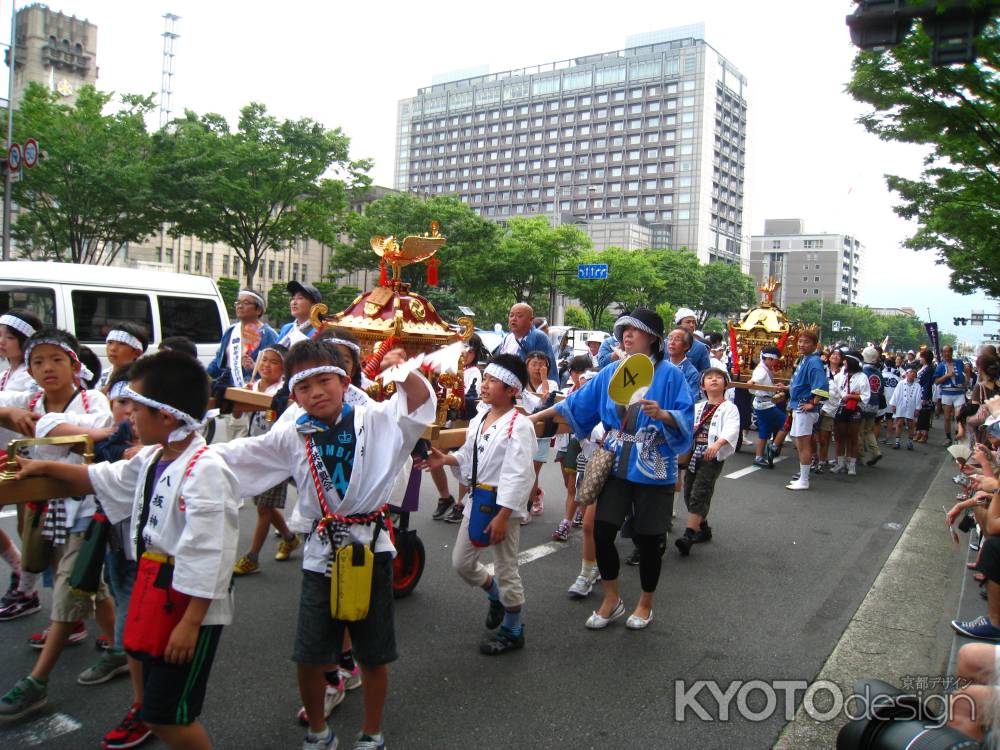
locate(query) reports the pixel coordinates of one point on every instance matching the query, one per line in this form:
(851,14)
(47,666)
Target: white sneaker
(597,622)
(797,485)
(583,585)
(852,471)
(333,698)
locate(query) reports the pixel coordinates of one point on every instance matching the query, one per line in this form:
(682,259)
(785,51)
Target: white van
(88,300)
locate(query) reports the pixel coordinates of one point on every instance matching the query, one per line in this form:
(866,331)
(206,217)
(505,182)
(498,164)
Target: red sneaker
(77,634)
(131,732)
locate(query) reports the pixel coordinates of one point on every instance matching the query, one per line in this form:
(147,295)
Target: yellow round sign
(633,373)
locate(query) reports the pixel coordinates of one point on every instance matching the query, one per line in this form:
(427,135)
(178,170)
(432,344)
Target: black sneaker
(455,515)
(20,606)
(705,531)
(684,544)
(633,559)
(444,505)
(495,616)
(11,595)
(502,642)
(873,460)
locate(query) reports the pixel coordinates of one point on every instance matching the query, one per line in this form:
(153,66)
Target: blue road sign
(592,271)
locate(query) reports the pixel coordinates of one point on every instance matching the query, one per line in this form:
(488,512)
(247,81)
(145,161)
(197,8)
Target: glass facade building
(654,134)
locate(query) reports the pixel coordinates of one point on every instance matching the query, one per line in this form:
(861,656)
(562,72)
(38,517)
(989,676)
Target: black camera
(967,524)
(900,721)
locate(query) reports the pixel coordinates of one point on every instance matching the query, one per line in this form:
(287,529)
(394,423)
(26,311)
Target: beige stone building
(54,49)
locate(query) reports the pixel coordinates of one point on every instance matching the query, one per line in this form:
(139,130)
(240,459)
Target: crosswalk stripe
(750,469)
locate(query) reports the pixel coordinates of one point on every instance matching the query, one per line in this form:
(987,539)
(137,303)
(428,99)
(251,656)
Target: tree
(682,277)
(632,280)
(575,316)
(258,188)
(726,291)
(470,237)
(93,192)
(713,325)
(955,112)
(230,290)
(336,298)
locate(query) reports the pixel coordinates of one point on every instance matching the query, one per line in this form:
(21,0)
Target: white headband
(83,374)
(344,342)
(118,389)
(323,370)
(124,337)
(17,324)
(188,423)
(770,355)
(257,298)
(504,375)
(276,351)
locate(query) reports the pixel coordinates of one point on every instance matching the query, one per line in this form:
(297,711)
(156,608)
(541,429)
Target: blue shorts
(769,421)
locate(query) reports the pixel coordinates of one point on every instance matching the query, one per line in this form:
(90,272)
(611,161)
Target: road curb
(901,629)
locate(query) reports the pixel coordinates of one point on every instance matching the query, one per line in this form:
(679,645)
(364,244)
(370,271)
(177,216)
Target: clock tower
(54,49)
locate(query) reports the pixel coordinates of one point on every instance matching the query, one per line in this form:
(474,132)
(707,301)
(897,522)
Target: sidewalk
(902,628)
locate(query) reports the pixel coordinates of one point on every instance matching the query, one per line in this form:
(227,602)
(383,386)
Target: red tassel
(432,272)
(782,341)
(383,274)
(735,350)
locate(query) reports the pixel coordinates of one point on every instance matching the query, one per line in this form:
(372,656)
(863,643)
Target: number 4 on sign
(631,379)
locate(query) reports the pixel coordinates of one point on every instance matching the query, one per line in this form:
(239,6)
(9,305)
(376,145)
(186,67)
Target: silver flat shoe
(597,622)
(634,622)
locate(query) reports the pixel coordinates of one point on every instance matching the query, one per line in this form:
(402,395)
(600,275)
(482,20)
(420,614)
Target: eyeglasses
(245,302)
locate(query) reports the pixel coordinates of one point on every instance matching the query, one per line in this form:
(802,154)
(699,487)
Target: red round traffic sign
(14,157)
(30,153)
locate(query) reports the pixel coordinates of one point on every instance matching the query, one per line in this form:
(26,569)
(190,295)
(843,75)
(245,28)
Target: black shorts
(989,558)
(174,693)
(650,505)
(318,637)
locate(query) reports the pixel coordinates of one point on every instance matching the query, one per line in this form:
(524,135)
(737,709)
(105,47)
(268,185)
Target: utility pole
(7,180)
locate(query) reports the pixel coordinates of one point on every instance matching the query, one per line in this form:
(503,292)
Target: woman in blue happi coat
(646,438)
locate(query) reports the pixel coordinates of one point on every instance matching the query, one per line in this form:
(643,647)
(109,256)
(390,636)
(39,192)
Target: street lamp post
(10,130)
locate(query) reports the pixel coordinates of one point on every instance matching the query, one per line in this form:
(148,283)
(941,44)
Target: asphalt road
(767,599)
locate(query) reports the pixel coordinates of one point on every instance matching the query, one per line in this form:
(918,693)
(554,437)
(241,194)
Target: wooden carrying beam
(13,490)
(249,400)
(448,438)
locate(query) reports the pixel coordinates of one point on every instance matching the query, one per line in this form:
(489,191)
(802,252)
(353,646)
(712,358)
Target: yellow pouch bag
(351,582)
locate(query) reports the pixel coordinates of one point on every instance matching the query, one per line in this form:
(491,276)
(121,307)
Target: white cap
(595,337)
(870,355)
(683,312)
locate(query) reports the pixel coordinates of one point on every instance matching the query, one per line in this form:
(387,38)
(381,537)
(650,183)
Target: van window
(94,313)
(198,319)
(37,299)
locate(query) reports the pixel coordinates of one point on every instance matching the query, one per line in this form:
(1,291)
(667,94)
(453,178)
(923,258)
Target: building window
(187,260)
(281,270)
(295,269)
(225,265)
(305,272)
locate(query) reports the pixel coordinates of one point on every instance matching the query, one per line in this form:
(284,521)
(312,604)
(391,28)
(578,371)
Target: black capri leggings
(651,547)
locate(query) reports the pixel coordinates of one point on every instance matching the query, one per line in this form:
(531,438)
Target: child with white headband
(62,407)
(125,343)
(184,506)
(496,463)
(344,459)
(16,327)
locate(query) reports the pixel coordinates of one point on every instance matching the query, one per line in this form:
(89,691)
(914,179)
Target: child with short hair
(270,502)
(179,344)
(125,343)
(63,407)
(567,452)
(539,392)
(344,479)
(495,462)
(904,404)
(183,503)
(716,430)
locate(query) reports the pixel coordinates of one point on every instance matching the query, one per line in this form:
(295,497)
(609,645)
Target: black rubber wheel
(408,565)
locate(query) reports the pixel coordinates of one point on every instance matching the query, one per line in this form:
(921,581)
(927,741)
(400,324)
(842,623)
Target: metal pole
(10,130)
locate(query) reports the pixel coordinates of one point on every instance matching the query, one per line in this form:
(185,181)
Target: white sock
(13,557)
(841,461)
(29,582)
(804,473)
(852,463)
(587,569)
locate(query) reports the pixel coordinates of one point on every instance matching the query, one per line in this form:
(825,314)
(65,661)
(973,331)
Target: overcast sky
(347,65)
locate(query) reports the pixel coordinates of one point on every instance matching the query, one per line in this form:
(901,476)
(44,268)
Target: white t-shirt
(762,399)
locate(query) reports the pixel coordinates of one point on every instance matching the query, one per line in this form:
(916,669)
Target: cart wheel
(408,567)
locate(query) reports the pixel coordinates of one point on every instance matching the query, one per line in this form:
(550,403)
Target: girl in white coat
(716,430)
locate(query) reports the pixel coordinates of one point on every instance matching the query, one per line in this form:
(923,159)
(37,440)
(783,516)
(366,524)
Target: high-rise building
(54,49)
(810,266)
(654,133)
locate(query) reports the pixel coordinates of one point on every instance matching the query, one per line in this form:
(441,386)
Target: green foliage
(954,111)
(576,317)
(260,187)
(94,191)
(666,311)
(904,332)
(229,289)
(682,274)
(713,325)
(726,290)
(334,297)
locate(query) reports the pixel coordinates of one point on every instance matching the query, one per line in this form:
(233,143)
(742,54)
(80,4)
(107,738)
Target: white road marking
(8,512)
(750,469)
(535,553)
(41,731)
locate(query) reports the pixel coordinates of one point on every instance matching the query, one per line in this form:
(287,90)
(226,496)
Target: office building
(653,133)
(810,266)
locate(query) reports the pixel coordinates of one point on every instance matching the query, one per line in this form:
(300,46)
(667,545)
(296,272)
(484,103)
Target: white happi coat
(505,459)
(16,380)
(386,433)
(193,519)
(98,416)
(725,424)
(906,399)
